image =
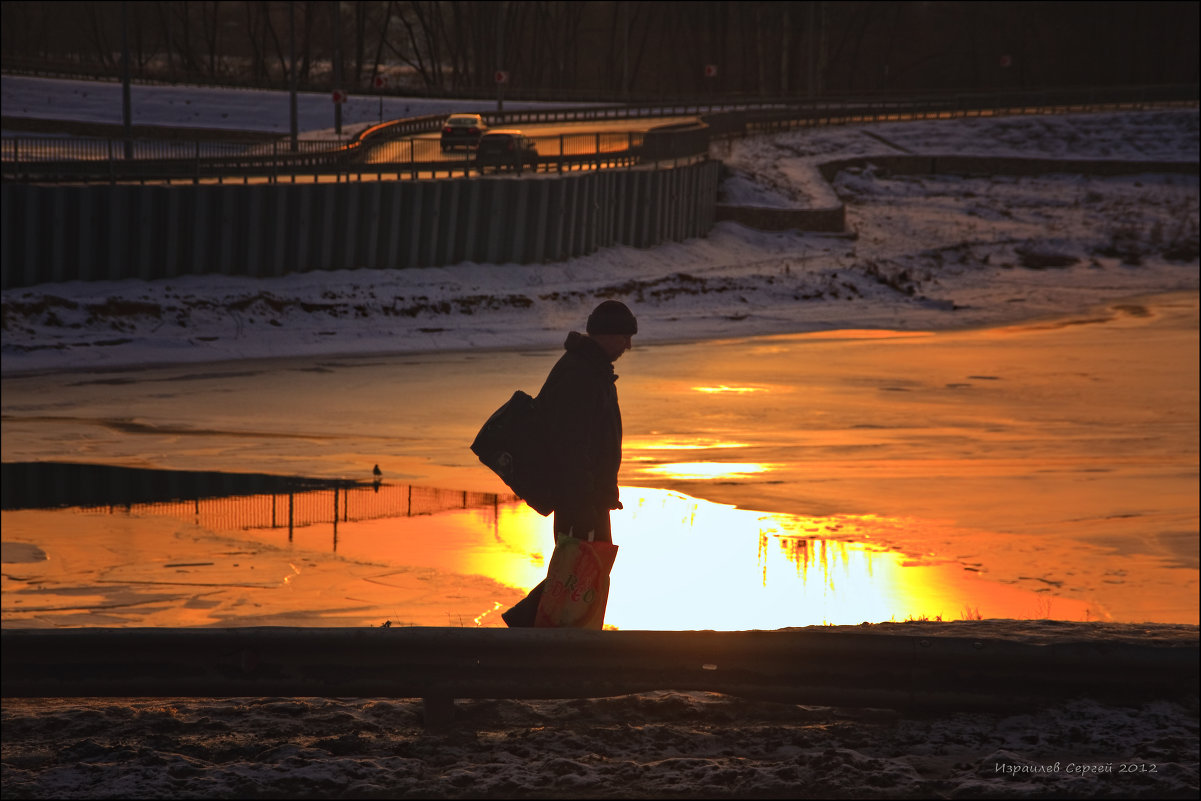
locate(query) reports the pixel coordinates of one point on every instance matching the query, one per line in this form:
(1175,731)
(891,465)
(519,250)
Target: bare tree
(379,43)
(209,13)
(628,47)
(306,42)
(100,38)
(556,29)
(852,65)
(276,42)
(361,15)
(143,49)
(424,52)
(641,22)
(164,24)
(255,33)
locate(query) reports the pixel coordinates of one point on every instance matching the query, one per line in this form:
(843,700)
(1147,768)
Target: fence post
(336,509)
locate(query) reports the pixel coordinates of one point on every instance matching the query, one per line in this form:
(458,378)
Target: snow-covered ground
(218,108)
(930,253)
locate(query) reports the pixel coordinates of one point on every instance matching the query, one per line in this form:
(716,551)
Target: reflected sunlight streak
(700,470)
(679,444)
(733,390)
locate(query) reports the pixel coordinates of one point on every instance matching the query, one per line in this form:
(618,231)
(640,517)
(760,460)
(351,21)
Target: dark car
(462,130)
(506,149)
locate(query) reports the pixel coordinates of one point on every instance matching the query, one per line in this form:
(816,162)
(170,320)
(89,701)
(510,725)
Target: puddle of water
(306,555)
(1056,458)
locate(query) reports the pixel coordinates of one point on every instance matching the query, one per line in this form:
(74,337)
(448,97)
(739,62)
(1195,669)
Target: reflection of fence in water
(809,553)
(312,507)
(800,551)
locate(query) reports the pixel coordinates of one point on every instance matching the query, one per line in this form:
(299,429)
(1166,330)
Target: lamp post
(337,23)
(126,110)
(502,77)
(292,116)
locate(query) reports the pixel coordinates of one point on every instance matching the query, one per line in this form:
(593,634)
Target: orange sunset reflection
(457,559)
(686,563)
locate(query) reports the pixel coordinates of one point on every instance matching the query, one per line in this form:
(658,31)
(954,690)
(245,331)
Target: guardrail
(74,160)
(824,665)
(40,160)
(372,154)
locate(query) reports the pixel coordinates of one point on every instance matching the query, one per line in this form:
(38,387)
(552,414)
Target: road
(552,139)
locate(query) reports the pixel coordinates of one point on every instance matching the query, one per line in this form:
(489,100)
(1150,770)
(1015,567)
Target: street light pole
(337,22)
(126,110)
(500,59)
(292,115)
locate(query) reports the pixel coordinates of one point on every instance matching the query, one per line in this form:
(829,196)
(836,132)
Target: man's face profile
(613,344)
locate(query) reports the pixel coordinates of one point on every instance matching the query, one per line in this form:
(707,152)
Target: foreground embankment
(668,743)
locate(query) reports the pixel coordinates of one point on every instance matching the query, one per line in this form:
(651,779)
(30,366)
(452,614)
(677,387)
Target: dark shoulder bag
(512,444)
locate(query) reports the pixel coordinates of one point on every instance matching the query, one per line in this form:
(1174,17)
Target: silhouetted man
(578,405)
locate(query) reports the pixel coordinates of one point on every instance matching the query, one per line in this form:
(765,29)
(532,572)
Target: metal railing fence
(51,160)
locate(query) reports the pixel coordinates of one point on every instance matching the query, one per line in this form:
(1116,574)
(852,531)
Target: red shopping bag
(576,590)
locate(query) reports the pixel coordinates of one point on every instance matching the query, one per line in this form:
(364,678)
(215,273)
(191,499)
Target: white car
(462,130)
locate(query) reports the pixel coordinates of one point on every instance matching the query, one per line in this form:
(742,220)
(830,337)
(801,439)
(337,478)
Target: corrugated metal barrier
(75,232)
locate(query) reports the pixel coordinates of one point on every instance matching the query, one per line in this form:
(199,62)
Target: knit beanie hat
(612,317)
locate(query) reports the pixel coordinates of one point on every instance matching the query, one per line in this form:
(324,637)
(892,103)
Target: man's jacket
(578,406)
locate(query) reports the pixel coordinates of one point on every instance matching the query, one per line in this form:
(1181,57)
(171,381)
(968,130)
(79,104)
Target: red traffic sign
(380,82)
(339,96)
(502,76)
(710,70)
